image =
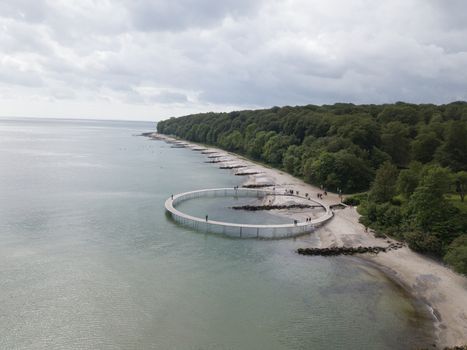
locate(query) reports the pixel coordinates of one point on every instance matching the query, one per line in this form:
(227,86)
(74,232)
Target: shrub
(423,242)
(352,201)
(456,255)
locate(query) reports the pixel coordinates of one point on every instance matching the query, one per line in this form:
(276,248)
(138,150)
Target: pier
(238,230)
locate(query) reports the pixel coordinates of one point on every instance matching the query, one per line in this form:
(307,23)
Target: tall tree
(461,184)
(453,153)
(424,146)
(456,255)
(409,178)
(429,209)
(384,187)
(396,142)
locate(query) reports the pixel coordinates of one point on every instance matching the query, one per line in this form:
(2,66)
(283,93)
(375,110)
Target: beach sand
(443,290)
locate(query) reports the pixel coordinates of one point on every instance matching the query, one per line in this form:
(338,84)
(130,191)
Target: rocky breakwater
(274,207)
(333,251)
(247,173)
(232,166)
(258,185)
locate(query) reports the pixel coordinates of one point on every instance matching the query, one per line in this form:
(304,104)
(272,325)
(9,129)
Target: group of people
(291,192)
(320,195)
(308,219)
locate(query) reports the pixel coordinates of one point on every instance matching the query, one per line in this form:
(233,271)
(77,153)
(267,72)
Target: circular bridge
(242,230)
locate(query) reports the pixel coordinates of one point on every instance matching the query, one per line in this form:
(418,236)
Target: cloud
(162,58)
(182,14)
(23,10)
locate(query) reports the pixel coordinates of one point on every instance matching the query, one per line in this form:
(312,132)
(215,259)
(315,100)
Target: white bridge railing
(242,230)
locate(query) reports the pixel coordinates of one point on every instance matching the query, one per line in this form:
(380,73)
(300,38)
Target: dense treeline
(338,146)
(411,156)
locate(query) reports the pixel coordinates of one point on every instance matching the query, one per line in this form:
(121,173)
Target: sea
(90,260)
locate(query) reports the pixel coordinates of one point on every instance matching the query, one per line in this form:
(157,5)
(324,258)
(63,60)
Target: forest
(404,165)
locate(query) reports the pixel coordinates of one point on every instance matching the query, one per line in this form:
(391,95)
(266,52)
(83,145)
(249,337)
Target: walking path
(243,230)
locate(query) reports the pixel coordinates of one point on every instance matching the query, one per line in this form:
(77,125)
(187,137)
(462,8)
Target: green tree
(409,178)
(400,112)
(384,186)
(352,172)
(275,148)
(461,184)
(456,254)
(424,147)
(378,157)
(341,170)
(429,210)
(255,146)
(396,142)
(232,141)
(292,161)
(250,133)
(317,170)
(363,132)
(423,242)
(453,153)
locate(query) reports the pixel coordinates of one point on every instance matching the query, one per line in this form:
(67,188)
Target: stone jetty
(333,251)
(247,173)
(274,207)
(232,166)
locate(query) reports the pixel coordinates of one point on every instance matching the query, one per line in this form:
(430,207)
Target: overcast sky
(152,59)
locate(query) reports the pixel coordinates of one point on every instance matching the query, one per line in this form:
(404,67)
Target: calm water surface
(89,260)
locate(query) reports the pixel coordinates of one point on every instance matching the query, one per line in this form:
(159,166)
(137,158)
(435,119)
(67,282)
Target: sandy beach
(443,290)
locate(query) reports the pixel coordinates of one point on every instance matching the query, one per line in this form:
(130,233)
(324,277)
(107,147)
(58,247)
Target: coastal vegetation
(407,162)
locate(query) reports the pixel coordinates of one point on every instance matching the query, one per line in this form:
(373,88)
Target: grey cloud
(169,97)
(24,10)
(182,14)
(210,54)
(13,77)
(451,14)
(164,97)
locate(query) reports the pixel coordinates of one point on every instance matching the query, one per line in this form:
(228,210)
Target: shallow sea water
(89,260)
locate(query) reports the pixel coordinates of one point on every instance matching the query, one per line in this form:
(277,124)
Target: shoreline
(442,290)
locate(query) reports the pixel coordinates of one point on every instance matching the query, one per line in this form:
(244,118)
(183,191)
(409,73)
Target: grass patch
(356,198)
(455,199)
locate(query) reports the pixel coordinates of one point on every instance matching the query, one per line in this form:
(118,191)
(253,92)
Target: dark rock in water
(246,174)
(332,251)
(273,207)
(232,167)
(257,185)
